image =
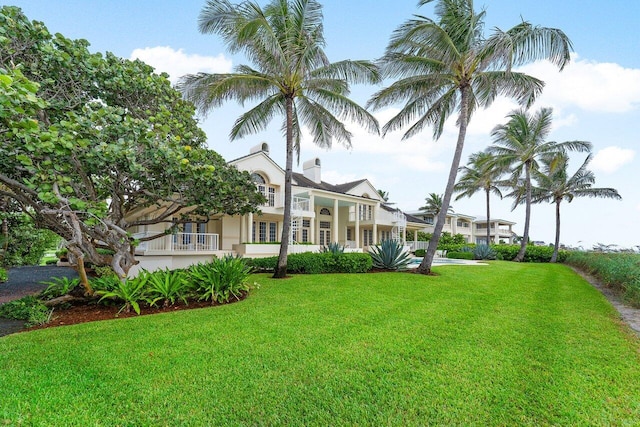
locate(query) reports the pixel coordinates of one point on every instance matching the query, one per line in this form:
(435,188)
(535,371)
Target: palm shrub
(484,252)
(59,286)
(130,291)
(334,248)
(166,286)
(389,255)
(220,280)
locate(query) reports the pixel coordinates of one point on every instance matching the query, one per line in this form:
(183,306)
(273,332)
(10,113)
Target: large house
(474,229)
(351,214)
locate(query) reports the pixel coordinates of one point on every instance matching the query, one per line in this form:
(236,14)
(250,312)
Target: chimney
(311,170)
(263,146)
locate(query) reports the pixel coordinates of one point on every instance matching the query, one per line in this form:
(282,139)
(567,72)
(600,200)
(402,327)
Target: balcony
(178,242)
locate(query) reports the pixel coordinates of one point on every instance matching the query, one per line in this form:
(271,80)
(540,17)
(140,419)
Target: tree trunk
(425,265)
(79,263)
(281,269)
(556,246)
(488,218)
(527,214)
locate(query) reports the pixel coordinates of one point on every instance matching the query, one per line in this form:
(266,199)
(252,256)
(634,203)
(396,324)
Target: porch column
(250,227)
(404,234)
(357,233)
(375,226)
(334,232)
(312,220)
(243,230)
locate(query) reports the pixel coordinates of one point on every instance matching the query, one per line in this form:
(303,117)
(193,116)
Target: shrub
(334,248)
(130,291)
(165,285)
(3,275)
(105,283)
(29,309)
(59,286)
(484,252)
(420,252)
(317,263)
(459,255)
(390,255)
(221,279)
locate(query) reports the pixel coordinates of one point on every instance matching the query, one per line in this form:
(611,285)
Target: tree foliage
(290,77)
(88,140)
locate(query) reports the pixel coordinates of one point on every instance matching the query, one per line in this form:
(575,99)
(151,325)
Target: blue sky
(597,98)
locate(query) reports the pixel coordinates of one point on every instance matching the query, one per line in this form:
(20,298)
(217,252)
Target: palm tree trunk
(527,215)
(556,246)
(281,269)
(425,265)
(487,191)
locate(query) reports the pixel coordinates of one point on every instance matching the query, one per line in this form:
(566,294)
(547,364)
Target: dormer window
(268,191)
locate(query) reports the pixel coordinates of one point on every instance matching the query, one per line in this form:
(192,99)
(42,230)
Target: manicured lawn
(505,344)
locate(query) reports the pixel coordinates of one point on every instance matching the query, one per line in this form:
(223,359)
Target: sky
(596,98)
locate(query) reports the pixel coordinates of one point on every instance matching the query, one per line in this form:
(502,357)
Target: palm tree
(433,204)
(521,144)
(481,173)
(291,77)
(449,66)
(555,185)
(384,195)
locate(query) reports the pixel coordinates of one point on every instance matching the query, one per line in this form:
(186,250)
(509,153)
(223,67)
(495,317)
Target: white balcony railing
(300,204)
(179,242)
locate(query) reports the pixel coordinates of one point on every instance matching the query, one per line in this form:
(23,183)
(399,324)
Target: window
(272,231)
(449,221)
(305,235)
(349,234)
(271,196)
(325,224)
(257,178)
(263,231)
(306,223)
(325,211)
(368,237)
(365,213)
(428,219)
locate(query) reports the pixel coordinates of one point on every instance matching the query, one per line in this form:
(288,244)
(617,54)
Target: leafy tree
(433,204)
(554,184)
(521,144)
(448,65)
(480,174)
(95,145)
(26,244)
(291,77)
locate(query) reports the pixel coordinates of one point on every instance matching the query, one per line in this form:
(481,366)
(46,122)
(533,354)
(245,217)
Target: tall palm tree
(384,195)
(291,77)
(555,185)
(521,144)
(480,174)
(448,66)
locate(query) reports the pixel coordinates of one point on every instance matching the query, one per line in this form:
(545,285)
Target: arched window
(325,211)
(257,178)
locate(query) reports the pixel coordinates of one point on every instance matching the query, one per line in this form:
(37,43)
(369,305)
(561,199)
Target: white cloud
(177,63)
(589,85)
(610,159)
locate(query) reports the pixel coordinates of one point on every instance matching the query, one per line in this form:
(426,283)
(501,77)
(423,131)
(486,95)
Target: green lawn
(505,344)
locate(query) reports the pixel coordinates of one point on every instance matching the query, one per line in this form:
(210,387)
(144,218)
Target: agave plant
(390,255)
(484,252)
(334,248)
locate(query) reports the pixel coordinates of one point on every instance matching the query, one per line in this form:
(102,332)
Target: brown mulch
(84,313)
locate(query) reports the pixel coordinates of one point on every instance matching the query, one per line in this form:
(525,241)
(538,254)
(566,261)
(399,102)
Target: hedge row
(509,252)
(317,263)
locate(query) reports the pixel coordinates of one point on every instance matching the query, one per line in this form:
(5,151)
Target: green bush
(390,255)
(165,285)
(420,252)
(317,263)
(58,287)
(484,252)
(3,275)
(619,271)
(131,292)
(29,309)
(459,255)
(221,279)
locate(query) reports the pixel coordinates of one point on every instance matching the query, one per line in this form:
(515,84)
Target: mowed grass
(504,344)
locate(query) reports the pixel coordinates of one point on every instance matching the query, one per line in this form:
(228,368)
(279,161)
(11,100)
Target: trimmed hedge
(459,255)
(317,263)
(420,252)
